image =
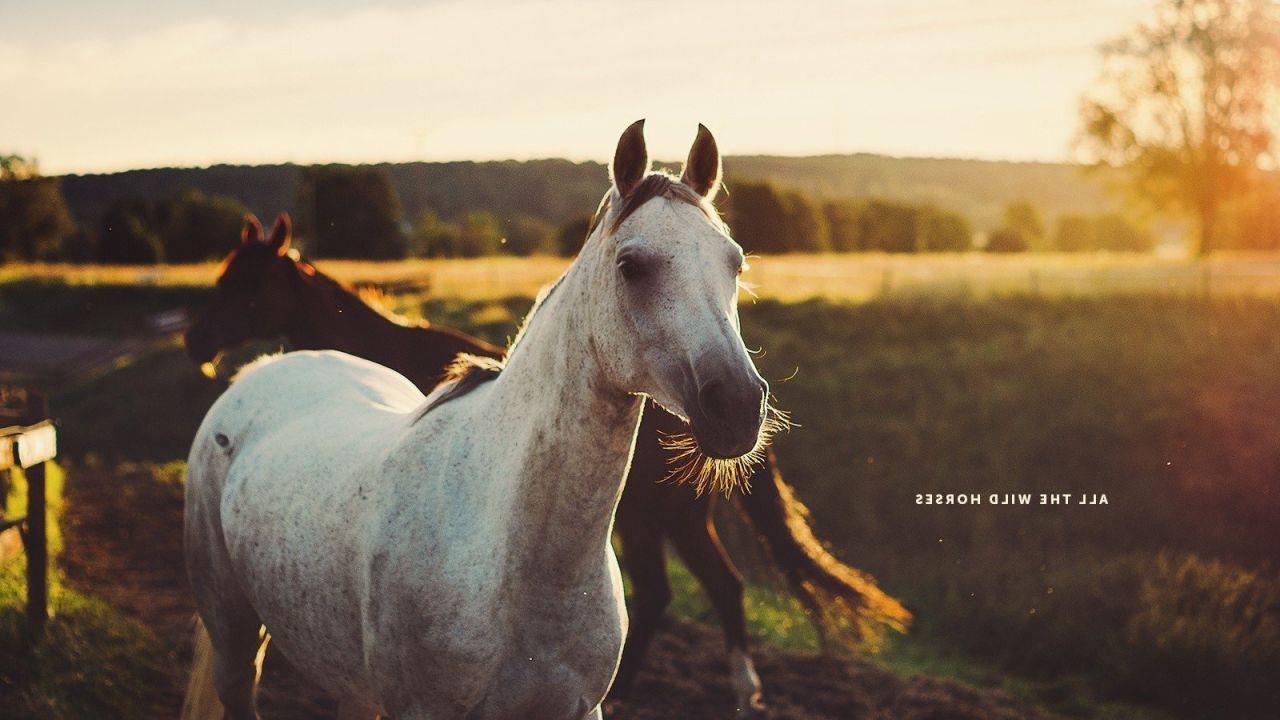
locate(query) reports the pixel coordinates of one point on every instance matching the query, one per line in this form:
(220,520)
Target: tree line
(344,211)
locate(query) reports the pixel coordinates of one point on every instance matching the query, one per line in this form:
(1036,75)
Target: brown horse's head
(254,297)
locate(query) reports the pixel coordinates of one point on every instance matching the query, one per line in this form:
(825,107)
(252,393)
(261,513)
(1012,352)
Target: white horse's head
(665,284)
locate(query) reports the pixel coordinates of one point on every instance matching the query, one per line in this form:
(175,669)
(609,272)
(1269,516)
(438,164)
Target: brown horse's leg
(699,547)
(644,558)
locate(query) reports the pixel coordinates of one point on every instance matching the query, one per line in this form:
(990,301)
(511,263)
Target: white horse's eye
(632,268)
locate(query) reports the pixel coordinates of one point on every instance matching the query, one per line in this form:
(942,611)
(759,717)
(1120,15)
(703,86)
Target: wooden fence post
(37,539)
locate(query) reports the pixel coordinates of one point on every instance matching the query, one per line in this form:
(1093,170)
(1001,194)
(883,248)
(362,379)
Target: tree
(767,219)
(194,227)
(1116,234)
(1074,234)
(1024,216)
(479,235)
(1185,103)
(433,237)
(1006,240)
(34,220)
(1111,232)
(842,225)
(888,227)
(943,231)
(350,212)
(17,167)
(127,234)
(527,235)
(572,235)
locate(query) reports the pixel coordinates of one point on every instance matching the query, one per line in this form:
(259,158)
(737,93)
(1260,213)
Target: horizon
(655,162)
(145,85)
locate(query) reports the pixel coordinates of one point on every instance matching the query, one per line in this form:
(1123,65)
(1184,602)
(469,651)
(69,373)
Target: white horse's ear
(630,160)
(252,230)
(702,169)
(281,233)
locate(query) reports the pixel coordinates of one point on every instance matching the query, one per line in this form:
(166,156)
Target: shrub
(1006,240)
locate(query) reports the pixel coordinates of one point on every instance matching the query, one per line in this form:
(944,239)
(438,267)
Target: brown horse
(264,291)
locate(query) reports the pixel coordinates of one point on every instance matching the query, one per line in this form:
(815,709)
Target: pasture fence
(28,442)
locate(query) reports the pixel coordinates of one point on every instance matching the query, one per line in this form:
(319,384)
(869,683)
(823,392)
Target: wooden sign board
(37,444)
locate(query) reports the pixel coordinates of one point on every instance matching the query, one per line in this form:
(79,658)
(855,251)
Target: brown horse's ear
(702,169)
(252,230)
(630,160)
(281,233)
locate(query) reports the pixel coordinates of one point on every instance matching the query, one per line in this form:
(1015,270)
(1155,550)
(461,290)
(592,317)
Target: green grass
(91,662)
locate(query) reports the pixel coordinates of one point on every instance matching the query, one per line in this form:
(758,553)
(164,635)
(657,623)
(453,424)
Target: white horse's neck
(574,432)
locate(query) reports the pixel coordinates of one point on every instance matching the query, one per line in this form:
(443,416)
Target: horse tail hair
(201,701)
(837,597)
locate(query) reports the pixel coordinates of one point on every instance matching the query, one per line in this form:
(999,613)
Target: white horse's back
(280,457)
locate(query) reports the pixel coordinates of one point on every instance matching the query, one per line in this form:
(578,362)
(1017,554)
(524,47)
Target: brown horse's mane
(345,296)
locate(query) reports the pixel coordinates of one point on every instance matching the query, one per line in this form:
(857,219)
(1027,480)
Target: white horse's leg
(233,625)
(238,648)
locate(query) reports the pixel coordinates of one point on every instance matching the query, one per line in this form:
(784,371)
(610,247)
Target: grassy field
(1168,403)
(786,277)
(92,662)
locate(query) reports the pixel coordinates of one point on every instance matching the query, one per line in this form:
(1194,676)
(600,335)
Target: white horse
(448,557)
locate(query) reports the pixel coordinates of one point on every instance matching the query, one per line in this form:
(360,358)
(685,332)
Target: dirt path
(123,543)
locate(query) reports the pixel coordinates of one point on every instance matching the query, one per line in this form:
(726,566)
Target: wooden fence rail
(28,445)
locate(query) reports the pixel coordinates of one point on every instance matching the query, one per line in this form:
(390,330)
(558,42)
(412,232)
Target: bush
(350,212)
(888,227)
(127,235)
(943,231)
(527,235)
(766,219)
(571,236)
(1111,232)
(1006,240)
(1204,635)
(34,221)
(195,228)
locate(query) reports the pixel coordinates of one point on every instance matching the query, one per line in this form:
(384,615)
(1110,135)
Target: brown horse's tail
(837,597)
(201,701)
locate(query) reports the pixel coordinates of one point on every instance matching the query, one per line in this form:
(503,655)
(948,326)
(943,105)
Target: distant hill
(559,190)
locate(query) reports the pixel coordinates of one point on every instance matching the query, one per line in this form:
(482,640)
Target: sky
(93,86)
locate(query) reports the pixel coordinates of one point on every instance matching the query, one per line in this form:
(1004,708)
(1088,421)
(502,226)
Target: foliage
(91,663)
(1208,625)
(766,219)
(127,234)
(17,167)
(525,235)
(558,191)
(942,231)
(35,223)
(1110,232)
(887,226)
(350,211)
(1186,101)
(185,227)
(1006,240)
(572,235)
(1023,217)
(196,228)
